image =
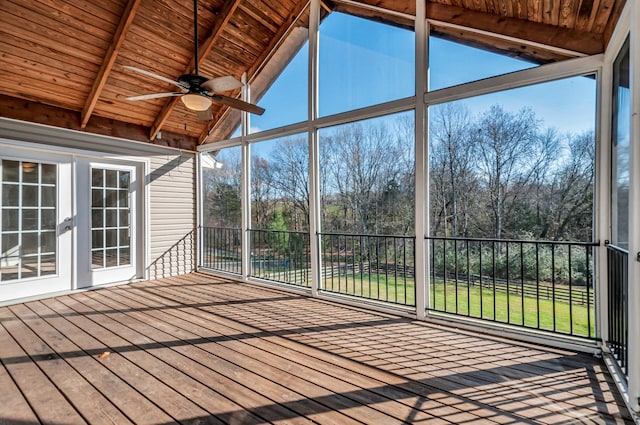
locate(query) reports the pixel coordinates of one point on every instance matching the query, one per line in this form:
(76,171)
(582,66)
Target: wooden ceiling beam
(260,61)
(36,112)
(556,37)
(224,16)
(109,59)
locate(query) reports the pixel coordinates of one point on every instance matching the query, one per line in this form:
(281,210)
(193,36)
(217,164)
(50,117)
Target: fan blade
(204,115)
(220,84)
(156,76)
(237,104)
(155,95)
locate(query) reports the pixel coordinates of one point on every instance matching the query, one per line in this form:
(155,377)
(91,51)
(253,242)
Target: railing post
(421,260)
(314,151)
(245,189)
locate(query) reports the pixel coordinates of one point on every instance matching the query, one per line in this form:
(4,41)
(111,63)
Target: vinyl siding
(172,219)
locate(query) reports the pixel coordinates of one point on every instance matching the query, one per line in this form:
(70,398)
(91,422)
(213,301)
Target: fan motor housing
(192,82)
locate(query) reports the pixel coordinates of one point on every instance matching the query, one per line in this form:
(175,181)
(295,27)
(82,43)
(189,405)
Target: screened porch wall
(596,67)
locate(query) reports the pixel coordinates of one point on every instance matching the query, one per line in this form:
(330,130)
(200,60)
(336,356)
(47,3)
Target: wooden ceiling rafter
(226,12)
(259,63)
(570,40)
(110,58)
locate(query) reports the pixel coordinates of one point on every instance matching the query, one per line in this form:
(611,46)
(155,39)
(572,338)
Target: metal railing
(221,249)
(545,285)
(375,267)
(618,308)
(280,256)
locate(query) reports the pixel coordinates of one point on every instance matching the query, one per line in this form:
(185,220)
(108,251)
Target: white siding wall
(172,219)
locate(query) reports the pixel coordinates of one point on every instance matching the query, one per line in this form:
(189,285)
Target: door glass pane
(28,246)
(110,222)
(10,195)
(112,178)
(124,179)
(112,218)
(29,243)
(29,172)
(10,220)
(111,198)
(97,239)
(11,171)
(97,259)
(48,196)
(29,267)
(96,198)
(29,219)
(48,242)
(48,174)
(30,196)
(48,219)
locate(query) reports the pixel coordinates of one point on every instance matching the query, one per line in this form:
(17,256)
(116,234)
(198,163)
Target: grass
(514,309)
(374,286)
(575,319)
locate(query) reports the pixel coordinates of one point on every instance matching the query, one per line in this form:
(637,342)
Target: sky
(363,63)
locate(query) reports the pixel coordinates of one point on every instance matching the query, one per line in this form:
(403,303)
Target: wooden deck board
(200,349)
(307,381)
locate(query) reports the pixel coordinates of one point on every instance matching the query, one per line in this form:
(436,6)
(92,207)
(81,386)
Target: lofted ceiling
(62,61)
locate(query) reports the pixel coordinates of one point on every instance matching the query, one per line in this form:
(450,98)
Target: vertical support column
(314,150)
(421,162)
(199,229)
(245,189)
(634,215)
(602,202)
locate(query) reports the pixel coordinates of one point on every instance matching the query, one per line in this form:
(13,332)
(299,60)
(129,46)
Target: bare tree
(568,208)
(507,157)
(452,167)
(221,189)
(262,193)
(361,161)
(289,167)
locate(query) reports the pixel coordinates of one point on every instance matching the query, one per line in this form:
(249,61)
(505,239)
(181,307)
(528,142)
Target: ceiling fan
(198,92)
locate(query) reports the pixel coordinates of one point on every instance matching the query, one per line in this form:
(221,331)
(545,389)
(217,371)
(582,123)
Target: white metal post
(421,162)
(314,151)
(633,299)
(245,190)
(602,205)
(199,206)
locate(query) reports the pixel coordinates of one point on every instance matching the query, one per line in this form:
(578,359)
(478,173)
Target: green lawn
(471,302)
(374,286)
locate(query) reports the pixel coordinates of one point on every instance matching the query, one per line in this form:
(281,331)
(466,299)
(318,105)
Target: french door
(36,224)
(67,222)
(108,204)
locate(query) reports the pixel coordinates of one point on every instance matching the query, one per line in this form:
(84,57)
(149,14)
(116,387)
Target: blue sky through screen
(364,63)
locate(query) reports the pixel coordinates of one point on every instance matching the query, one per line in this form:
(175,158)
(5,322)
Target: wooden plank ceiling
(62,61)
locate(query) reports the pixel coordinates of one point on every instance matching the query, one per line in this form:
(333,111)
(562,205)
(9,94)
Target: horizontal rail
(525,241)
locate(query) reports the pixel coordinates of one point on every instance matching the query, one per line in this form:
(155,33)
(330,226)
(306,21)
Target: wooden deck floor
(198,349)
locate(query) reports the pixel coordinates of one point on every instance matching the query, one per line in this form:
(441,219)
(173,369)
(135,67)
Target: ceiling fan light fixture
(196,102)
